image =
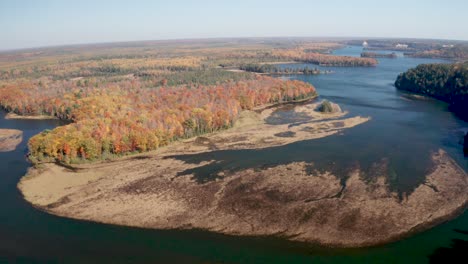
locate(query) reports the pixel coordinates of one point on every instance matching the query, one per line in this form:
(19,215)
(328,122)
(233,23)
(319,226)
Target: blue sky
(30,23)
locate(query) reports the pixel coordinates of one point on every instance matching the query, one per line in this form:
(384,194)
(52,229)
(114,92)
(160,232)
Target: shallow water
(402,131)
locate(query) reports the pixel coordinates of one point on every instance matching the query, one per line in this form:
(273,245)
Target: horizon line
(221,38)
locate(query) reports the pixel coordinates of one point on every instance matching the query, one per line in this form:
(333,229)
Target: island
(378,55)
(275,70)
(10,139)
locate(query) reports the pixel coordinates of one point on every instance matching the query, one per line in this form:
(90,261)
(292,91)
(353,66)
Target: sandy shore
(292,200)
(10,139)
(35,117)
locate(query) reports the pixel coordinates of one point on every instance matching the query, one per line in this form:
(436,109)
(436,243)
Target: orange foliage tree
(114,119)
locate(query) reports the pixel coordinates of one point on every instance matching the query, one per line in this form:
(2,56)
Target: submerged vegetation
(446,82)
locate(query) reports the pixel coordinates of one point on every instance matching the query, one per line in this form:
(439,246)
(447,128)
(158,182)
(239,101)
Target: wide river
(402,131)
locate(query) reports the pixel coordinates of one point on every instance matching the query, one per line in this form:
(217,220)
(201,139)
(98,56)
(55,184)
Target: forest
(121,99)
(126,118)
(446,82)
(368,54)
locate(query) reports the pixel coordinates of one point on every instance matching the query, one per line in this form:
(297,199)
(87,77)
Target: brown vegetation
(290,201)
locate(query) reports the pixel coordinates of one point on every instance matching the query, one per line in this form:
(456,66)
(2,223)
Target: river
(402,131)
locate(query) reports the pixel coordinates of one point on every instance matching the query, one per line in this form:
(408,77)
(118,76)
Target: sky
(38,23)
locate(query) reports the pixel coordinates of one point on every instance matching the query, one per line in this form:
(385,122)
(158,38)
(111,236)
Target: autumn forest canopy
(136,98)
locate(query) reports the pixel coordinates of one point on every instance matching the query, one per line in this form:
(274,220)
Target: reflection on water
(402,131)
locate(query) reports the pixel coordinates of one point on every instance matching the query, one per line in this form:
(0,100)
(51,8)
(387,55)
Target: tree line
(272,69)
(323,59)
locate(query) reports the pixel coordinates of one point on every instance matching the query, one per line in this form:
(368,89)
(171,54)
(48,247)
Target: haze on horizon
(28,23)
